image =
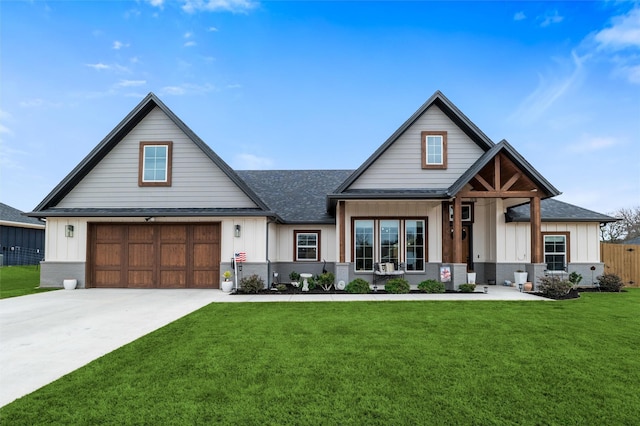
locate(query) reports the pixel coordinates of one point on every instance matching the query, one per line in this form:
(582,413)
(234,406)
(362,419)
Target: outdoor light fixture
(68,231)
(237,231)
(520,287)
(486,289)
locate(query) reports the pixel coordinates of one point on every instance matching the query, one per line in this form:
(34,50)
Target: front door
(467,252)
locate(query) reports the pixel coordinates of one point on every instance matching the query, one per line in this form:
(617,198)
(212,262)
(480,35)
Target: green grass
(537,363)
(20,280)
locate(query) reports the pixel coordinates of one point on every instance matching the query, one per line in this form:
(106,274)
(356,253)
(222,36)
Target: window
(155,164)
(307,245)
(363,245)
(414,240)
(467,213)
(556,251)
(434,150)
(383,240)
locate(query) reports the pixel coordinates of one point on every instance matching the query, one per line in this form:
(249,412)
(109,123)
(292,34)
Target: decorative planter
(226,286)
(69,283)
(520,278)
(528,286)
(471,277)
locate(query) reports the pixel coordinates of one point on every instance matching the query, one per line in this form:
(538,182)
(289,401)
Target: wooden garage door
(174,255)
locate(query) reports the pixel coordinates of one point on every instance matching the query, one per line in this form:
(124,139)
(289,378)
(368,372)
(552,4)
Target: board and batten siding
(284,242)
(400,166)
(60,248)
(196,181)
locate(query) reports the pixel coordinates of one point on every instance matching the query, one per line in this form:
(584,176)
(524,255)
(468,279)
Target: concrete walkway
(45,336)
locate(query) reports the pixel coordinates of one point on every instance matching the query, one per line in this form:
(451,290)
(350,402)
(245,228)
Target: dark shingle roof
(297,196)
(9,214)
(557,211)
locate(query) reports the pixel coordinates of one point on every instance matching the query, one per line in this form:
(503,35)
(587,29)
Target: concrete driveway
(47,335)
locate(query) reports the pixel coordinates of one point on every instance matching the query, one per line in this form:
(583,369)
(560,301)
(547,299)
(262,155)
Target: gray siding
(400,166)
(196,181)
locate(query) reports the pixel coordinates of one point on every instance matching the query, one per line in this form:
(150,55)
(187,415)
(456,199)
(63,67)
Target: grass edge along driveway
(571,362)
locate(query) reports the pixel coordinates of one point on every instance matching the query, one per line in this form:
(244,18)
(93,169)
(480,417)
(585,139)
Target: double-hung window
(389,241)
(307,245)
(155,164)
(556,251)
(434,150)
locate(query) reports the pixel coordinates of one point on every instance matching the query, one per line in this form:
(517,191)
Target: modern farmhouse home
(153,206)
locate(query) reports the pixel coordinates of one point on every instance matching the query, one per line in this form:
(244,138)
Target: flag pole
(235,270)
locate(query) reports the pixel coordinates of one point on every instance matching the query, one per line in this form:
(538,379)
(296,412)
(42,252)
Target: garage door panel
(106,278)
(108,254)
(203,255)
(173,233)
(206,233)
(141,255)
(173,279)
(110,233)
(141,232)
(204,279)
(140,279)
(173,255)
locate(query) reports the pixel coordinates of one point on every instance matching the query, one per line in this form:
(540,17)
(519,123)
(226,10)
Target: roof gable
(502,162)
(120,132)
(438,100)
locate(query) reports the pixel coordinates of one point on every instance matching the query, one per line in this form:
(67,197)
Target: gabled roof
(449,109)
(556,211)
(10,216)
(150,102)
(506,148)
(297,196)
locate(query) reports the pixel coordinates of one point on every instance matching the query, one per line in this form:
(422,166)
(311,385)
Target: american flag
(241,257)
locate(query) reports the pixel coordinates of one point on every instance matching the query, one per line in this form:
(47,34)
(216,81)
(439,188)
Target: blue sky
(320,85)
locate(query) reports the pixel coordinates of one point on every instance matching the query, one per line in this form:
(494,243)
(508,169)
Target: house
(21,238)
(153,206)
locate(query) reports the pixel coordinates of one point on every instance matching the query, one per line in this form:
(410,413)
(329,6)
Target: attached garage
(154,255)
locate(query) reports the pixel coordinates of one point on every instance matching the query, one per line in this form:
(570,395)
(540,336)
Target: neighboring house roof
(556,211)
(449,109)
(297,196)
(506,148)
(14,217)
(150,102)
(635,241)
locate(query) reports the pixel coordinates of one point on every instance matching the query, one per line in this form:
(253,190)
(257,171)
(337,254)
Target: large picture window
(307,245)
(556,251)
(398,241)
(434,150)
(155,164)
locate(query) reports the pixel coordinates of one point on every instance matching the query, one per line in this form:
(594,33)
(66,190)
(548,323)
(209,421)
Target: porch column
(341,231)
(457,230)
(536,231)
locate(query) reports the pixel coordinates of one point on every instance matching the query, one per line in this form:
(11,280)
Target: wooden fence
(622,260)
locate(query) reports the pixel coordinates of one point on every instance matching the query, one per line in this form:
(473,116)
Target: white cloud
(212,29)
(551,18)
(130,83)
(590,143)
(190,43)
(252,162)
(549,90)
(156,3)
(624,33)
(519,16)
(188,34)
(5,130)
(235,6)
(186,89)
(114,67)
(117,45)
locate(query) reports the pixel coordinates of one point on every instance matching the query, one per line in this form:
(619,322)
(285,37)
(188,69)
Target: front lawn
(464,362)
(20,280)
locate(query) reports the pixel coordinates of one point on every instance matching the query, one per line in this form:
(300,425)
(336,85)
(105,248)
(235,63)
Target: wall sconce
(68,231)
(237,231)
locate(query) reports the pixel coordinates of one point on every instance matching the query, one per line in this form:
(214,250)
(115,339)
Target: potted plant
(295,278)
(69,283)
(471,277)
(520,277)
(227,284)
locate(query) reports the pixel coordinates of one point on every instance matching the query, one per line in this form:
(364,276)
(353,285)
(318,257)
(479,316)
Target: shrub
(326,280)
(467,288)
(552,286)
(397,285)
(252,284)
(575,278)
(610,282)
(294,276)
(358,286)
(281,287)
(431,286)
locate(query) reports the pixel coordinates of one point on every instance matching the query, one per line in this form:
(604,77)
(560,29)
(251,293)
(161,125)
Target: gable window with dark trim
(307,245)
(155,164)
(397,241)
(556,251)
(434,150)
